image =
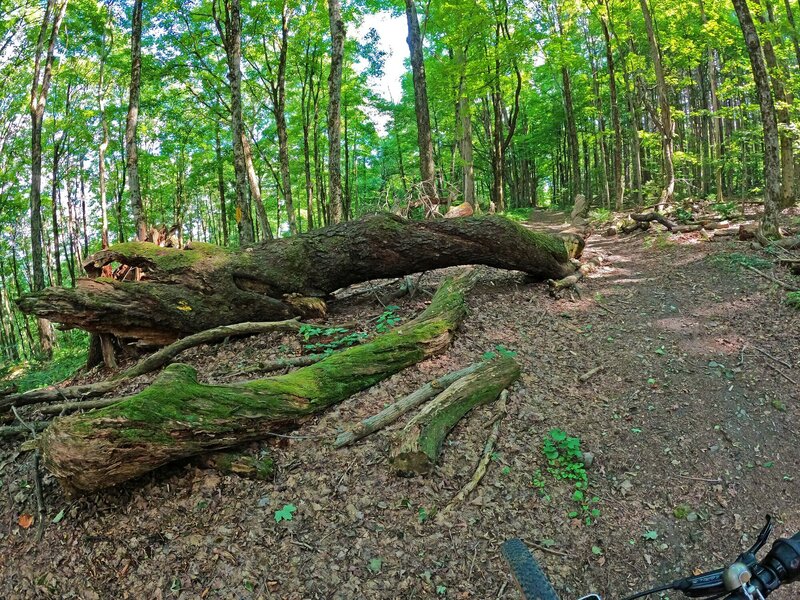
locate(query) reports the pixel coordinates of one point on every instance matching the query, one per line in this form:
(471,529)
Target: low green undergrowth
(793,299)
(69,356)
(733,262)
(566,463)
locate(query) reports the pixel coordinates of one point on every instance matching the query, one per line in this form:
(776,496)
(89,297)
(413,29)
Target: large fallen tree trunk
(205,286)
(177,417)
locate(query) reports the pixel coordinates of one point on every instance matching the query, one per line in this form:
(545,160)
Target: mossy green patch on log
(177,417)
(418,445)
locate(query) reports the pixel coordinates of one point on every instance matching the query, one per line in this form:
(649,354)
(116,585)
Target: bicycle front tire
(532,582)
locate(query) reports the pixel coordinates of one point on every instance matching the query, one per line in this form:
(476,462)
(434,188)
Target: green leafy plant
(565,460)
(683,215)
(724,209)
(600,215)
(793,299)
(328,347)
(285,514)
(652,534)
(501,350)
(388,319)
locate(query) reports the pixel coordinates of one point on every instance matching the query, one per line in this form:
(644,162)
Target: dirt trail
(693,428)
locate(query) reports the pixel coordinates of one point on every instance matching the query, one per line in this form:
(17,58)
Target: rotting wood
(396,410)
(177,417)
(17,430)
(204,286)
(417,446)
(146,365)
(480,470)
(653,216)
(570,281)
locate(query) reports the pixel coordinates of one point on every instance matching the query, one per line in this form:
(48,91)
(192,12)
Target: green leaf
(597,550)
(488,355)
(375,565)
(660,350)
(651,381)
(422,514)
(441,590)
(650,535)
(285,514)
(59,516)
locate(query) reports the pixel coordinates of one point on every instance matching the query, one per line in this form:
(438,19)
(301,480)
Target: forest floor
(693,421)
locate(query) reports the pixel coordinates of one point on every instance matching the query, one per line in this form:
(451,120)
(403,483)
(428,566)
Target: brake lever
(763,536)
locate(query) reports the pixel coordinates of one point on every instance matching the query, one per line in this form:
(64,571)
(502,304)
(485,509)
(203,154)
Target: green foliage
(734,261)
(725,209)
(683,215)
(565,463)
(501,350)
(793,299)
(68,357)
(286,513)
(600,215)
(520,215)
(388,319)
(332,343)
(651,534)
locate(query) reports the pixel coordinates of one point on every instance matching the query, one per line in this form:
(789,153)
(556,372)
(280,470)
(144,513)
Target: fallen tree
(177,417)
(418,445)
(204,286)
(146,365)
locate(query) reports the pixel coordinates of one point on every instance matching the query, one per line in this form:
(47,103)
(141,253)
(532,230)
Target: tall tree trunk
(716,120)
(42,76)
(572,136)
(772,167)
(130,127)
(306,92)
(465,130)
(783,98)
(427,168)
(334,111)
(665,123)
(280,119)
(619,180)
(54,197)
(253,181)
(793,30)
(221,187)
(228,20)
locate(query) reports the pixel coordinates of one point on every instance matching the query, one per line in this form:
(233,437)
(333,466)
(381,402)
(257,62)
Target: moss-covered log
(177,417)
(204,286)
(418,445)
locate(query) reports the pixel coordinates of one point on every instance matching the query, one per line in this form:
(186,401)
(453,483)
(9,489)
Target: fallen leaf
(25,521)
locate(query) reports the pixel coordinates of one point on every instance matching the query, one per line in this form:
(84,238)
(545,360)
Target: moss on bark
(177,417)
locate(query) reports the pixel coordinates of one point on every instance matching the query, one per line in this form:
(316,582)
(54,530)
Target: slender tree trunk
(783,98)
(54,196)
(772,167)
(42,76)
(427,167)
(228,20)
(619,180)
(334,111)
(465,130)
(130,128)
(665,124)
(253,181)
(221,187)
(716,120)
(280,119)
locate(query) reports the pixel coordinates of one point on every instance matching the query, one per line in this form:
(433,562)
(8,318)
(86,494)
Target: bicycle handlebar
(747,578)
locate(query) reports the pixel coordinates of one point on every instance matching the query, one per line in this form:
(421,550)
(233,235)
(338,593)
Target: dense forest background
(218,122)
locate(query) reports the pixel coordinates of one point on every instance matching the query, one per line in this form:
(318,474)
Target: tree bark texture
(177,417)
(335,111)
(772,167)
(427,167)
(419,443)
(131,151)
(183,291)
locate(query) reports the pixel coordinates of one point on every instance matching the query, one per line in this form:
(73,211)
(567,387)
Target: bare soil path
(692,422)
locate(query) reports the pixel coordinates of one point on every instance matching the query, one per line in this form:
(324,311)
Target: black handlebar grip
(780,566)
